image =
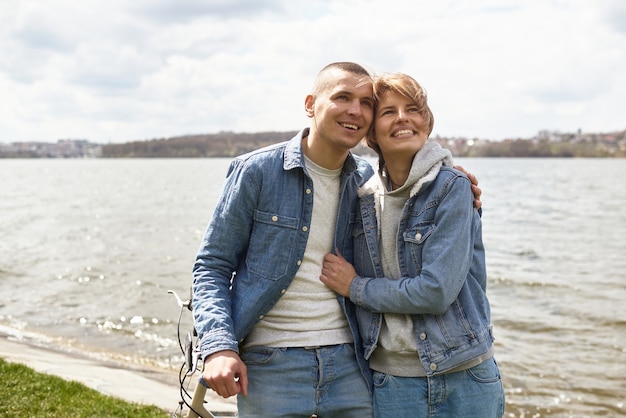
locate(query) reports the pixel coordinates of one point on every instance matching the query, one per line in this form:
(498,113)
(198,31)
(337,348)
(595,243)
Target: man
(257,294)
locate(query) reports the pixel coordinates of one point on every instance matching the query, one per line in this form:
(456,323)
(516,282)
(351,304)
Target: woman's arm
(446,259)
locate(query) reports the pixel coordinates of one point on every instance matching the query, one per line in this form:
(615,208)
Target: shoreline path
(134,383)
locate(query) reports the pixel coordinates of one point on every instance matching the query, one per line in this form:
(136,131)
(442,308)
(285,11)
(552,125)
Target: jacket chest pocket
(414,239)
(272,245)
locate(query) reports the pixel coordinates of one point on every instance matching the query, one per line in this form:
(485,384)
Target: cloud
(117,71)
(184,11)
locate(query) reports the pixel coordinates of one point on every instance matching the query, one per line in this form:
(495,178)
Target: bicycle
(191,365)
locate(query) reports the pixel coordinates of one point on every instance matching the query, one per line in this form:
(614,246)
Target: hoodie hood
(425,167)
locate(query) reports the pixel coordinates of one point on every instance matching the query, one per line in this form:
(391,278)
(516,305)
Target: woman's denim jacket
(256,239)
(442,260)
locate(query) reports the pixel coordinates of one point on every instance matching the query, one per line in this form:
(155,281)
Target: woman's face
(400,129)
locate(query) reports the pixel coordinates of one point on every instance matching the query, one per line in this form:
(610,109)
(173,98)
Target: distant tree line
(222,144)
(533,148)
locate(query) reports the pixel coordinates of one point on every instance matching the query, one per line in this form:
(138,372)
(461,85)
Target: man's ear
(309,105)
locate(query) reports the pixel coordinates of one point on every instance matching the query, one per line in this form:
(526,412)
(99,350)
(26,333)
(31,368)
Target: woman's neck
(397,171)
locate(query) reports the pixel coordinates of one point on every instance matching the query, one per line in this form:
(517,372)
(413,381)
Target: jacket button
(282,292)
(308,191)
(304,228)
(433,366)
(423,336)
(418,236)
(274,218)
(263,316)
(299,262)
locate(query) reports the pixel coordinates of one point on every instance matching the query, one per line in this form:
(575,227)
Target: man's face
(342,111)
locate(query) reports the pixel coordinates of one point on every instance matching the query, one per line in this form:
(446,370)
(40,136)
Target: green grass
(26,393)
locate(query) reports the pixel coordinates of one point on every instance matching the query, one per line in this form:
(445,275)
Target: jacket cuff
(213,343)
(357,290)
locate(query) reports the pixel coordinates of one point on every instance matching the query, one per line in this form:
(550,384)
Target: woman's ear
(309,105)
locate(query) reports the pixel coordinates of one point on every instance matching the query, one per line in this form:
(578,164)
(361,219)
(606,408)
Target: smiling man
(270,331)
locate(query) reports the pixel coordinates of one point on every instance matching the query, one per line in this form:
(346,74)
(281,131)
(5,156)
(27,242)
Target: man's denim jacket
(255,242)
(442,261)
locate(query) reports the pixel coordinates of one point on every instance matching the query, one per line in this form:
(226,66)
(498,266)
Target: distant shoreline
(229,144)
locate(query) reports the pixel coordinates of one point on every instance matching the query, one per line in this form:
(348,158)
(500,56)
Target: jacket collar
(294,157)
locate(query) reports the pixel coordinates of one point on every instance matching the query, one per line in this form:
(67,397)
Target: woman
(423,312)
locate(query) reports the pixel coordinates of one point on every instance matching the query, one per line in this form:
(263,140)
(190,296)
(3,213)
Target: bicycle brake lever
(179,301)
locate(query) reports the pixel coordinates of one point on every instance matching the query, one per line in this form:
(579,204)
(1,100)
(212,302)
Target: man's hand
(475,189)
(226,374)
(337,274)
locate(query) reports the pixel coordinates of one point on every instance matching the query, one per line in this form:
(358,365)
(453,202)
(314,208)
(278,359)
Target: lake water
(89,248)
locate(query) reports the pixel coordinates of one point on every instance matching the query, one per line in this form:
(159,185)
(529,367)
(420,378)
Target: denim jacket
(442,261)
(255,242)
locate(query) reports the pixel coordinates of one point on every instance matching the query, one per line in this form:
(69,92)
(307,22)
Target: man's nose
(355,107)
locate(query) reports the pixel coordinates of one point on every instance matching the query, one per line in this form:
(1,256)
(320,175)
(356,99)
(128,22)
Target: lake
(89,248)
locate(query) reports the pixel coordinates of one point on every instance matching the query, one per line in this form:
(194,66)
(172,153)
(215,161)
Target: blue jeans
(301,382)
(475,392)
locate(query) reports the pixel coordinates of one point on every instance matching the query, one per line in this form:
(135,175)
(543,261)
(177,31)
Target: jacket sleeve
(223,248)
(447,254)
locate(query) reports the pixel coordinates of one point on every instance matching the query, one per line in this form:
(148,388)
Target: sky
(113,71)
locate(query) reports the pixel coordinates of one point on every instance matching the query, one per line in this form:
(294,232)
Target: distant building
(63,148)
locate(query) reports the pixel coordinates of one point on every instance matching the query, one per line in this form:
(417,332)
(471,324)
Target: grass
(26,393)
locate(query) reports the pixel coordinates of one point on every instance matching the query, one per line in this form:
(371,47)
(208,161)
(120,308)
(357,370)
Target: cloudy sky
(118,70)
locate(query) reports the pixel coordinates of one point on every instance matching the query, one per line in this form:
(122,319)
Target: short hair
(323,79)
(408,87)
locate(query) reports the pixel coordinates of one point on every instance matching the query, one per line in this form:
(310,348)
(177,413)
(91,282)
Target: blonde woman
(419,280)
